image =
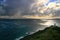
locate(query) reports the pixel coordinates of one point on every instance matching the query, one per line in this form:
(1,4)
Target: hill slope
(50,33)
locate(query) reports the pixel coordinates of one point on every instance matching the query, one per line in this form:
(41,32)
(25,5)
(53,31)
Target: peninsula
(50,33)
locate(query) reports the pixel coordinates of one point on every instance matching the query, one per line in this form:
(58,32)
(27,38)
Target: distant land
(28,17)
(50,33)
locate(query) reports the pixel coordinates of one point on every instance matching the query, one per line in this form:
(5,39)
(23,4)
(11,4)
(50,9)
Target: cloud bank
(22,8)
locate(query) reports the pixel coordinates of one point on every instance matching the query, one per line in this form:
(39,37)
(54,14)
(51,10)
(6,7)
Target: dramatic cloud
(22,8)
(12,7)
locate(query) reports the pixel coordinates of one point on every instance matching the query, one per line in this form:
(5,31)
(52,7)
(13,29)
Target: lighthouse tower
(54,24)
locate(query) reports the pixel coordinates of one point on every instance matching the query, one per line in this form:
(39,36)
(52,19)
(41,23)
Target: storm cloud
(27,7)
(21,7)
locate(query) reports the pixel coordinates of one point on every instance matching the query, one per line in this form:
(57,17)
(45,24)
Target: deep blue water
(10,29)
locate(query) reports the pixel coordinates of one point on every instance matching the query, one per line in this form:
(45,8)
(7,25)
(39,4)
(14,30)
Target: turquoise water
(10,29)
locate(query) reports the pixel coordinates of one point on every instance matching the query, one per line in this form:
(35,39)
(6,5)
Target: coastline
(52,31)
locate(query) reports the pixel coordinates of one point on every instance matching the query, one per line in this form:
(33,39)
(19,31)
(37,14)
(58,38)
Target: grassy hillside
(50,33)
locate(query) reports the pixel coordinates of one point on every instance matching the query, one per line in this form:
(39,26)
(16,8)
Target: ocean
(14,29)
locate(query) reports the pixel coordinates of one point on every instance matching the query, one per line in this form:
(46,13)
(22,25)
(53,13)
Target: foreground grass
(50,33)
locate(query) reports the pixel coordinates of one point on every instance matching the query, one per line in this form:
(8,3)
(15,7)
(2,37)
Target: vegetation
(50,33)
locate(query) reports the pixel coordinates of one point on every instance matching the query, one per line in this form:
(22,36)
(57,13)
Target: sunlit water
(16,29)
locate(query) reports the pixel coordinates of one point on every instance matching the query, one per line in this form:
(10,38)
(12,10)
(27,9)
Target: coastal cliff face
(50,33)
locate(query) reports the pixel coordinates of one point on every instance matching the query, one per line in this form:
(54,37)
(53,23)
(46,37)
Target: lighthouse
(54,24)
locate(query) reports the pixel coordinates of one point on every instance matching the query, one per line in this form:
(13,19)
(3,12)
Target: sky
(29,8)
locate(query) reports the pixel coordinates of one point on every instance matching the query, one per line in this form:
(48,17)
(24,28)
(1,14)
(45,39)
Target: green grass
(50,33)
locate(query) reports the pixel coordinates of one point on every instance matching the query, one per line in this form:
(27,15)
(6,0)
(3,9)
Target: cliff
(50,33)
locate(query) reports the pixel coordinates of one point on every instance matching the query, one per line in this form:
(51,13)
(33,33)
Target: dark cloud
(23,7)
(11,7)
